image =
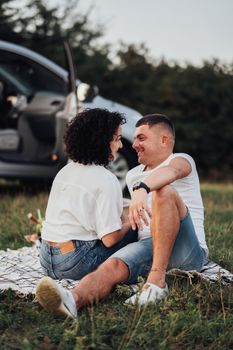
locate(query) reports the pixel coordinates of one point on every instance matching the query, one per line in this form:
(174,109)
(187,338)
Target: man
(169,198)
(176,227)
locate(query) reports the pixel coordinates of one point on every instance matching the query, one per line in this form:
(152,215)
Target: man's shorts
(187,254)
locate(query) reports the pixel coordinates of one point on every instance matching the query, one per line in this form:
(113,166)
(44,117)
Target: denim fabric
(187,254)
(87,256)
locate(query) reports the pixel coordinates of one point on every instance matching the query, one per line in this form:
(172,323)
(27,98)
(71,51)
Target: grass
(197,316)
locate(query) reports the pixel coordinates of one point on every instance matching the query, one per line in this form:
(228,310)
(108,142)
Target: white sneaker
(55,299)
(150,293)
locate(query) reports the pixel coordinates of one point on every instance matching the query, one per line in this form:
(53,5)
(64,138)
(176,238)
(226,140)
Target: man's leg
(167,211)
(98,284)
(92,288)
(125,265)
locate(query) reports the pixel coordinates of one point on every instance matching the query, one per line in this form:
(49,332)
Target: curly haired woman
(84,223)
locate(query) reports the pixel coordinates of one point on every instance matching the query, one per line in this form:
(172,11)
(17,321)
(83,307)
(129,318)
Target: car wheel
(124,161)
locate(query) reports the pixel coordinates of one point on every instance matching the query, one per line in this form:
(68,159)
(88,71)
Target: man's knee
(114,269)
(168,195)
(164,194)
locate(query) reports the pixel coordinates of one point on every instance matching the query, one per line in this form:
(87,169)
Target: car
(37,98)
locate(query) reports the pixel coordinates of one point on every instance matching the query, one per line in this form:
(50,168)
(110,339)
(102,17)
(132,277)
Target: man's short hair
(88,136)
(153,119)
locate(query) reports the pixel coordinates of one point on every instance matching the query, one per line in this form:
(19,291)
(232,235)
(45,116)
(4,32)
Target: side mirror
(86,92)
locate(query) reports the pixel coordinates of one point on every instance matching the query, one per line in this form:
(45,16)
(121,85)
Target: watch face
(136,185)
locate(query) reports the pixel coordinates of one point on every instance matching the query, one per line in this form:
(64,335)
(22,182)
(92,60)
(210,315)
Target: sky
(177,30)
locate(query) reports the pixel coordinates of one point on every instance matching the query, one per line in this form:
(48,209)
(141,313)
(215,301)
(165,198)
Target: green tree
(126,80)
(43,29)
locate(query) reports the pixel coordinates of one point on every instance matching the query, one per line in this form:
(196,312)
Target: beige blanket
(20,270)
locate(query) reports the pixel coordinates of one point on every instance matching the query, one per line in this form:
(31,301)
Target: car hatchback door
(36,104)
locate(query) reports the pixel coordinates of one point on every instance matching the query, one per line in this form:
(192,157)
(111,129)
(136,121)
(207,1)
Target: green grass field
(197,316)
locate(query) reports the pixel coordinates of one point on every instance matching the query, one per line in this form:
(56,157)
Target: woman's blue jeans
(86,257)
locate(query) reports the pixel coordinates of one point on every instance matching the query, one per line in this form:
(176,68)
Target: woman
(84,223)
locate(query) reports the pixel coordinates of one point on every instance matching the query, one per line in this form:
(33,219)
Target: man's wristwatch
(138,185)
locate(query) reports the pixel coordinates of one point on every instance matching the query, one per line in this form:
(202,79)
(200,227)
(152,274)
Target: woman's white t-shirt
(85,203)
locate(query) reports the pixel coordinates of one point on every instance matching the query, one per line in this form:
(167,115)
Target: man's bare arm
(177,169)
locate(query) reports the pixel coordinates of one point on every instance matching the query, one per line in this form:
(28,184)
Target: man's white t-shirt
(188,188)
(85,203)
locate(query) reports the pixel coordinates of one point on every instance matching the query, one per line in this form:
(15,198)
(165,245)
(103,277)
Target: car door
(50,103)
(70,106)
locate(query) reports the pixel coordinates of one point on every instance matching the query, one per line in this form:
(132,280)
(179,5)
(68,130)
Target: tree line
(198,99)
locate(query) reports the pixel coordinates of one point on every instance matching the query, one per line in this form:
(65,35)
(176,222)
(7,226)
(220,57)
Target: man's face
(146,143)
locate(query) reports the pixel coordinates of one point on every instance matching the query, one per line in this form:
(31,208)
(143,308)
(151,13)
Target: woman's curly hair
(88,136)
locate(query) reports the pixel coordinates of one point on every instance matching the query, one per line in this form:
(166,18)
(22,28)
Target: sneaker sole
(49,297)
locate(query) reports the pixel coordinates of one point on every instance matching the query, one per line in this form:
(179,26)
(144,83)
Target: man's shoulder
(183,155)
(189,159)
(137,169)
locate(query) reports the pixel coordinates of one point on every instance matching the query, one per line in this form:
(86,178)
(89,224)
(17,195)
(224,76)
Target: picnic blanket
(20,271)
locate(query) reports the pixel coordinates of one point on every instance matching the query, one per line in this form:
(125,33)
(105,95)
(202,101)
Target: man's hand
(138,209)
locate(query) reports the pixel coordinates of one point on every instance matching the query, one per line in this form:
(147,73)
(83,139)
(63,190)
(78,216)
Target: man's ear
(165,140)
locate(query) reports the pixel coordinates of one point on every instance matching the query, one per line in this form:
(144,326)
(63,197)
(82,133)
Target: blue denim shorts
(187,254)
(85,258)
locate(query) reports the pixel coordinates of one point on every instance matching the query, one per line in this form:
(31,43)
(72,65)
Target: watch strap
(141,185)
